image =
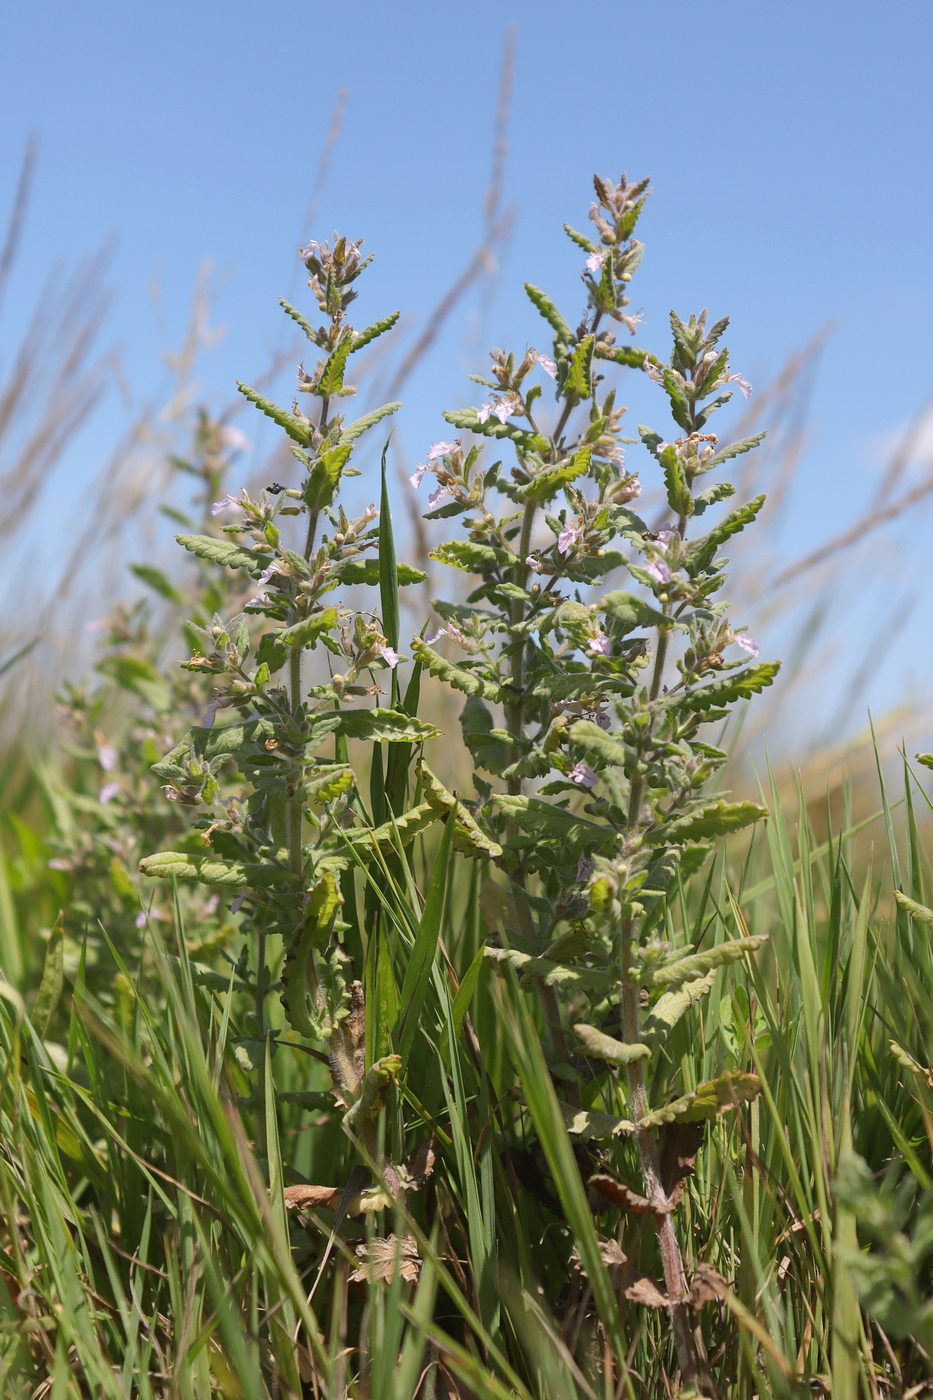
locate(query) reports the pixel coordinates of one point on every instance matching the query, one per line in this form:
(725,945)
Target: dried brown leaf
(380,1259)
(311,1197)
(419,1164)
(643,1290)
(620,1195)
(679,1144)
(708,1286)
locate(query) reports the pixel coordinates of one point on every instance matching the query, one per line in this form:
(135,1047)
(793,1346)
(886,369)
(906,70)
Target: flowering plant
(604,700)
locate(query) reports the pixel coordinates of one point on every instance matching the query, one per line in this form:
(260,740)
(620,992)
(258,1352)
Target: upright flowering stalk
(600,699)
(281,846)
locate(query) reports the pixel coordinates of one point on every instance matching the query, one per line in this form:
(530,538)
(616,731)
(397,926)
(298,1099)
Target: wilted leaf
(381,1259)
(707,1286)
(312,1197)
(419,1164)
(621,1196)
(594,1125)
(679,1144)
(643,1290)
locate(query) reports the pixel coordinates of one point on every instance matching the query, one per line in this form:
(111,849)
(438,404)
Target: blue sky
(788,144)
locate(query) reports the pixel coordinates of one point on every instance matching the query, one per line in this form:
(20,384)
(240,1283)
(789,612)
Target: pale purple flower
(664,537)
(210,714)
(451,630)
(437,496)
(170,792)
(417,475)
(97,624)
(534,563)
(389,656)
(654,372)
(585,869)
(266,574)
(107,757)
(600,645)
(234,439)
(748,644)
(658,571)
(743,384)
(547,364)
(108,792)
(211,904)
(309,252)
(603,720)
(140,920)
(596,259)
(237,904)
(225,504)
(441,449)
(568,538)
(583,775)
(499,408)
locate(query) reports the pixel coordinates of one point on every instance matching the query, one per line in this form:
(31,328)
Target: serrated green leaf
(562,332)
(707,1101)
(718,819)
(740,685)
(668,1010)
(477,724)
(629,355)
(598,743)
(614,1052)
(305,632)
(540,818)
(579,382)
(467,682)
(357,571)
(580,239)
(373,332)
(630,611)
(331,381)
(467,419)
(679,497)
(385,726)
(554,974)
(299,432)
(325,476)
(223,552)
(331,784)
(299,320)
(469,556)
(547,483)
(469,838)
(736,520)
(369,420)
(712,496)
(734,449)
(208,870)
(392,834)
(698,964)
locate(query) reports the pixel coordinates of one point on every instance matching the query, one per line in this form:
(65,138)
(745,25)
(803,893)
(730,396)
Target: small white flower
(664,537)
(596,259)
(451,630)
(107,757)
(389,656)
(534,563)
(748,644)
(441,449)
(437,496)
(234,439)
(585,869)
(170,792)
(417,475)
(140,920)
(225,504)
(435,636)
(568,538)
(654,372)
(744,386)
(310,251)
(600,645)
(547,364)
(583,775)
(97,624)
(658,570)
(503,409)
(108,792)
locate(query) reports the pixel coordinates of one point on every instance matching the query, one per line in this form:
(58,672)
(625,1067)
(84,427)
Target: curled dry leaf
(708,1286)
(311,1197)
(621,1196)
(679,1144)
(611,1251)
(381,1257)
(643,1290)
(418,1165)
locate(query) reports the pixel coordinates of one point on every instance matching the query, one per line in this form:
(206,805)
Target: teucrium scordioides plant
(283,845)
(603,697)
